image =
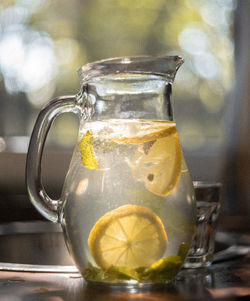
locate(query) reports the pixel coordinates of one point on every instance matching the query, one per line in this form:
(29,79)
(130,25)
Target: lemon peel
(87,151)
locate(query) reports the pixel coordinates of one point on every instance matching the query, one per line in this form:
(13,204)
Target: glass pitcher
(127,208)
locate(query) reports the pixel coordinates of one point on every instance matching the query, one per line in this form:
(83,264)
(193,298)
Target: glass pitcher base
(127,284)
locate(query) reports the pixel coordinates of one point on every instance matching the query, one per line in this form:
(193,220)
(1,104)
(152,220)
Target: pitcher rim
(164,66)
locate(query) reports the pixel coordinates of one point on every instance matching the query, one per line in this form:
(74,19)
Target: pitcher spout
(165,66)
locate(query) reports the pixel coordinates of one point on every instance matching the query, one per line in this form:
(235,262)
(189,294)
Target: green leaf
(162,270)
(123,272)
(183,250)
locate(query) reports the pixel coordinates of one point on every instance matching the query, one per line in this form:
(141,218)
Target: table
(229,280)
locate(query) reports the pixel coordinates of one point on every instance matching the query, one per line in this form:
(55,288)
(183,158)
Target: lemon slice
(160,167)
(130,236)
(87,151)
(149,132)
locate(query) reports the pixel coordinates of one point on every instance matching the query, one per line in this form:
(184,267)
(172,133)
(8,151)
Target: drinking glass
(208,206)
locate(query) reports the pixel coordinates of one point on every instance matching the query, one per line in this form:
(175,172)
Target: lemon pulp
(130,236)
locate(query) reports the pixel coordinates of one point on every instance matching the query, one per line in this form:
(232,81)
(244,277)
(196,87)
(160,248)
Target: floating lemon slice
(130,236)
(152,131)
(160,167)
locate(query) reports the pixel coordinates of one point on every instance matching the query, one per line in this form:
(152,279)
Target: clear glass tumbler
(208,205)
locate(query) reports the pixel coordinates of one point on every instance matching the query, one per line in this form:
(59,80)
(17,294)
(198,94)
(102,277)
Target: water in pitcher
(128,202)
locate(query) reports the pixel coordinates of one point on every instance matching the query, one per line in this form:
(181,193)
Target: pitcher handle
(37,194)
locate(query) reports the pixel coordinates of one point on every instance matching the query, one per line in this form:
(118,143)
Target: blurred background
(44,42)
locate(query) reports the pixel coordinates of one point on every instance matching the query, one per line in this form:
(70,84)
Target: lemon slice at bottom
(130,236)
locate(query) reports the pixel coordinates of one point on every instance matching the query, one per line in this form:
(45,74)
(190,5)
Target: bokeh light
(44,42)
